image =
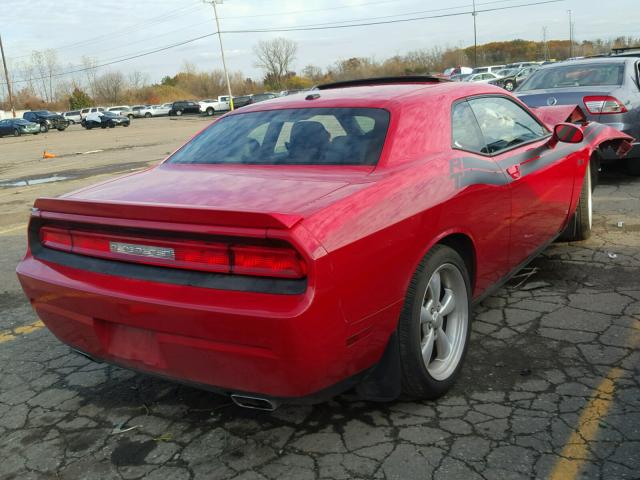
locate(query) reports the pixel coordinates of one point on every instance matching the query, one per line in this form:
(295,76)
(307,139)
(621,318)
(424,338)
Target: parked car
(160,110)
(246,263)
(450,72)
(606,89)
(488,69)
(142,111)
(459,77)
(245,100)
(481,77)
(73,116)
(46,120)
(105,120)
(212,106)
(86,111)
(122,110)
(511,78)
(184,107)
(17,127)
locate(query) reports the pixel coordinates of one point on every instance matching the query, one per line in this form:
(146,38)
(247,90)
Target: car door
(541,178)
(484,199)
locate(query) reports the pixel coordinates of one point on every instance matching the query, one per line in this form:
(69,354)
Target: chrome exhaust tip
(254,403)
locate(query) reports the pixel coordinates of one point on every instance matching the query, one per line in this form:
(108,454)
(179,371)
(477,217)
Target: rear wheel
(579,227)
(434,327)
(147,115)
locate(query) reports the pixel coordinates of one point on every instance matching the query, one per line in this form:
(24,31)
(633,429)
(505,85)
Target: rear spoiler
(556,114)
(167,213)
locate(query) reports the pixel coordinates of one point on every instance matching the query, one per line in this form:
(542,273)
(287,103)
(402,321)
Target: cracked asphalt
(550,390)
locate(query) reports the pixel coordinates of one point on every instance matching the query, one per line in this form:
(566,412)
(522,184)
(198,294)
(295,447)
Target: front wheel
(210,111)
(16,132)
(580,223)
(434,326)
(147,115)
(44,128)
(125,124)
(179,113)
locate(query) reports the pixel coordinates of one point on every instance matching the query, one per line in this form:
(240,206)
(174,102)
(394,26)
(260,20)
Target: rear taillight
(603,104)
(221,257)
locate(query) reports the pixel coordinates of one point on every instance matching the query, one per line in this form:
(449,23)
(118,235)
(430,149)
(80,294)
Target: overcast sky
(111,29)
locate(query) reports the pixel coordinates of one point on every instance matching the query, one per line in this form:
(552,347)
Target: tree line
(37,83)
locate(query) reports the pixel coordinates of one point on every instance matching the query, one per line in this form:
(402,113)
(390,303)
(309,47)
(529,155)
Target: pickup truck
(211,106)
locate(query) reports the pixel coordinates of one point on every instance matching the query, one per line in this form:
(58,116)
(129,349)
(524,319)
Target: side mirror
(568,133)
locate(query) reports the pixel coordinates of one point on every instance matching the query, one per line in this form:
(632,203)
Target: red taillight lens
(283,262)
(55,238)
(264,261)
(603,104)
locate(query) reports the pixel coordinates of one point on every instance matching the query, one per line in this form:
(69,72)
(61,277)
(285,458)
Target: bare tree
(312,72)
(137,80)
(110,87)
(275,57)
(89,65)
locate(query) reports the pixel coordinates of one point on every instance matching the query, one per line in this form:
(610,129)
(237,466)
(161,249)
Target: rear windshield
(585,75)
(310,136)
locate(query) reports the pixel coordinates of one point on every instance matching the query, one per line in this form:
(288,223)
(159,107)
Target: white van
(488,69)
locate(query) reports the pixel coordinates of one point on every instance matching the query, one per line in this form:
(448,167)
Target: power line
(309,27)
(367,24)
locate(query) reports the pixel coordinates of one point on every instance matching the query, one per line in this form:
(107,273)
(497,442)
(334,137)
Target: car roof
(588,61)
(372,96)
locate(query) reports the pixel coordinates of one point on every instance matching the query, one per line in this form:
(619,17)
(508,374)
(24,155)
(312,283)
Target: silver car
(607,89)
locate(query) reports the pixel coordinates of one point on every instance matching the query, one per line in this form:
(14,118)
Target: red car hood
(261,196)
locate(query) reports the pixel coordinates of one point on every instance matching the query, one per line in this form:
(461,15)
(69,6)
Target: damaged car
(315,243)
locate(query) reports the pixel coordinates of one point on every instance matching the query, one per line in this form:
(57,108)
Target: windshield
(581,75)
(507,72)
(310,136)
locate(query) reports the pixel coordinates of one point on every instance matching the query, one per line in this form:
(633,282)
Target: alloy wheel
(444,320)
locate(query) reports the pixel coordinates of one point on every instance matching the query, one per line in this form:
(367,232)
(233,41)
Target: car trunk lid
(243,196)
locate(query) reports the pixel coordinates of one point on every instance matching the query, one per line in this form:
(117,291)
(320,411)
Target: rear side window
(465,132)
(309,136)
(504,124)
(581,75)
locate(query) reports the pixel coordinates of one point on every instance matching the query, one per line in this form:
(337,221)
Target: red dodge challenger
(309,244)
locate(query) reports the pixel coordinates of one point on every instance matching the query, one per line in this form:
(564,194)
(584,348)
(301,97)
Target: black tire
(147,115)
(103,125)
(632,166)
(62,129)
(210,111)
(417,381)
(179,113)
(130,116)
(580,223)
(125,124)
(44,128)
(16,132)
(509,85)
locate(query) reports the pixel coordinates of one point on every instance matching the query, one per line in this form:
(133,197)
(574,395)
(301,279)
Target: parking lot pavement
(550,390)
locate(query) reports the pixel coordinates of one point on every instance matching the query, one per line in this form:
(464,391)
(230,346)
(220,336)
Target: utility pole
(224,63)
(6,76)
(570,34)
(545,49)
(475,36)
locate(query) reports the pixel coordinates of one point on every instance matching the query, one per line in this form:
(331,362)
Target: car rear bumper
(276,346)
